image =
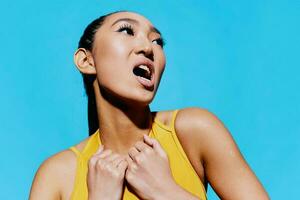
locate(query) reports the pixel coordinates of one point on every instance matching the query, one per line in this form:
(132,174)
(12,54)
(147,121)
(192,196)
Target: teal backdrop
(238,59)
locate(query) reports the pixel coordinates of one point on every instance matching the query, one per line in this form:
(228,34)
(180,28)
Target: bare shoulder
(196,118)
(191,123)
(190,119)
(223,164)
(55,176)
(196,125)
(51,175)
(190,127)
(202,130)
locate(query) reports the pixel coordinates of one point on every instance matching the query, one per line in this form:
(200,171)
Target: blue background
(238,59)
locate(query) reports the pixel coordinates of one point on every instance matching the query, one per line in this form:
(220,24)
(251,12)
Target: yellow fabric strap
(78,153)
(172,125)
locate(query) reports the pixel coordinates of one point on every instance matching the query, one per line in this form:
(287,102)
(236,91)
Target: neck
(121,126)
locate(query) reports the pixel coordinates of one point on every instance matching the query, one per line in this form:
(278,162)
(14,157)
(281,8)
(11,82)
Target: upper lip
(146,62)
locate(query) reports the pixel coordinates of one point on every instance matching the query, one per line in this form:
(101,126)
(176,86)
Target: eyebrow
(133,21)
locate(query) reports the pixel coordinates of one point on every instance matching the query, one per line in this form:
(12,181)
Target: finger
(104,154)
(100,149)
(122,165)
(133,152)
(117,161)
(92,163)
(148,140)
(112,157)
(93,160)
(131,164)
(129,159)
(156,145)
(141,146)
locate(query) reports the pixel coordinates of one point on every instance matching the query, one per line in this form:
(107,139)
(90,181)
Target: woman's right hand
(106,171)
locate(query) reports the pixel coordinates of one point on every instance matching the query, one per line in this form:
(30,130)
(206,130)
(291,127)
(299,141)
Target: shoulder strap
(76,151)
(177,141)
(92,145)
(172,125)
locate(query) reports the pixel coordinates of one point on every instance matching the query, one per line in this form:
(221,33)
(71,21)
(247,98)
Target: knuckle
(140,159)
(117,174)
(128,176)
(92,161)
(109,169)
(148,151)
(98,163)
(138,143)
(101,164)
(131,149)
(108,151)
(132,167)
(155,141)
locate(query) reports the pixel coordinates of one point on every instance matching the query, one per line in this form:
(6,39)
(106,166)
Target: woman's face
(128,57)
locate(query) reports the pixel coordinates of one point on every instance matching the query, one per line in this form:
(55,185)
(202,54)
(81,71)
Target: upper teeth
(145,67)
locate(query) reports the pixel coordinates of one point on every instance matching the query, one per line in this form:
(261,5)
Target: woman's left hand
(148,172)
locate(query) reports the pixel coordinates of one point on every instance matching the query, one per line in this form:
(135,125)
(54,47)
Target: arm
(176,193)
(50,177)
(224,166)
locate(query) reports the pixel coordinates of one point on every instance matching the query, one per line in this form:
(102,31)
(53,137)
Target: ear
(84,61)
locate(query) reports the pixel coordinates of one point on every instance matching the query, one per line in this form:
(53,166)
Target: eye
(126,28)
(159,41)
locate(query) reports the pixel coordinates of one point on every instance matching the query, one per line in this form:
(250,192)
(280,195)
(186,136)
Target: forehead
(110,20)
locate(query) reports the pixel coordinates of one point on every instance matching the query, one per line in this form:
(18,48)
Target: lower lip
(145,82)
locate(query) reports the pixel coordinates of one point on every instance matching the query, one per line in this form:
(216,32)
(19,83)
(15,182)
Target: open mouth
(143,71)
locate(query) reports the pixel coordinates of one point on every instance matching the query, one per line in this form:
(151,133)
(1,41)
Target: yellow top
(182,170)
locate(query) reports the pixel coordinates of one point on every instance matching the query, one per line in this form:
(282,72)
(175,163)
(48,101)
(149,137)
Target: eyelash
(127,27)
(130,31)
(160,42)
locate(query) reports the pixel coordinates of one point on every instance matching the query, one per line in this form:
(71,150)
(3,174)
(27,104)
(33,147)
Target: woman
(135,153)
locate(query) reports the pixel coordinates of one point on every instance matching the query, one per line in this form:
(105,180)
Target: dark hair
(86,41)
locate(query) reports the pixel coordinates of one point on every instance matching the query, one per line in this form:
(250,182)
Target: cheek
(111,53)
(161,61)
(111,61)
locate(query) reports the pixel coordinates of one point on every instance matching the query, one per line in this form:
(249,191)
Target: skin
(125,120)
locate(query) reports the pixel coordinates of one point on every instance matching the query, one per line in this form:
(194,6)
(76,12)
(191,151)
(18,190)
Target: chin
(129,96)
(141,100)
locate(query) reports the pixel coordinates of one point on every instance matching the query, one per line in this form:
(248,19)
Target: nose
(144,47)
